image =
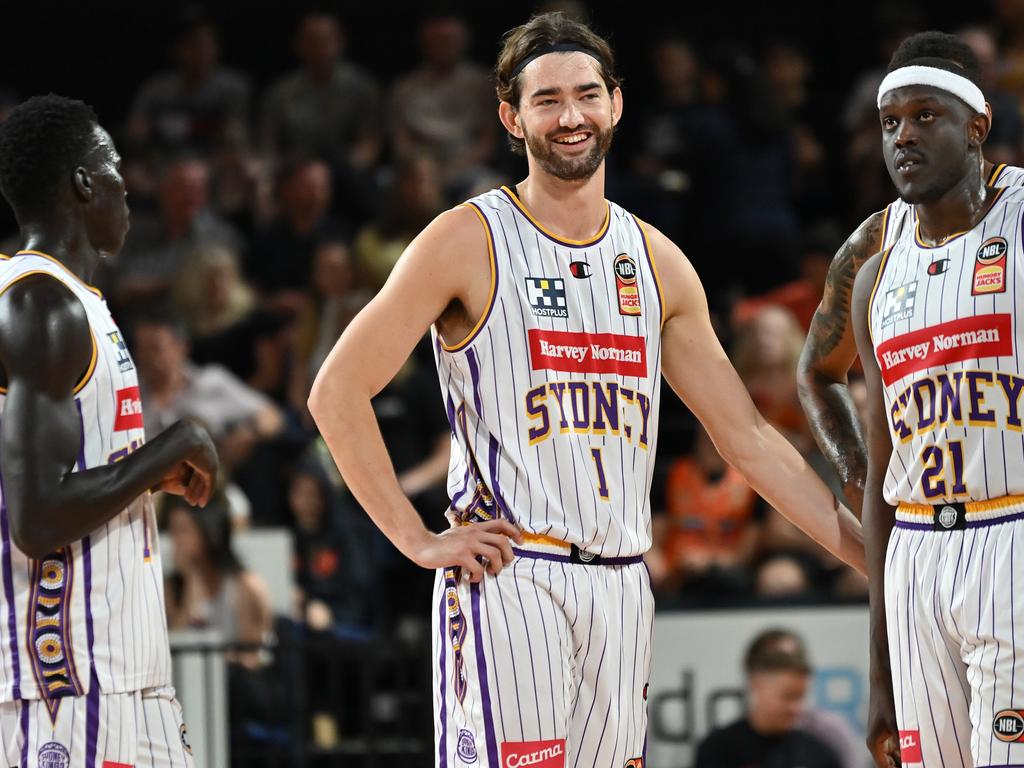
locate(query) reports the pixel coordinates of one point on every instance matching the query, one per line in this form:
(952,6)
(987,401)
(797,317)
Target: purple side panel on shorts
(24,732)
(442,747)
(481,669)
(8,576)
(92,703)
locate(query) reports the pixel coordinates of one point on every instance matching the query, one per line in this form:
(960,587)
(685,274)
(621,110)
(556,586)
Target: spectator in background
(210,295)
(236,416)
(765,353)
(768,735)
(200,106)
(157,247)
(446,108)
(333,567)
(329,108)
(415,198)
(1003,144)
(280,263)
(708,536)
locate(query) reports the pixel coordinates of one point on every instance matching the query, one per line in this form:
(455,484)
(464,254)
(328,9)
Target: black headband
(557,48)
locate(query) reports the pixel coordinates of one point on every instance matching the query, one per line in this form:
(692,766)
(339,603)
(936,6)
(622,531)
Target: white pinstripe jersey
(947,337)
(553,398)
(98,604)
(900,215)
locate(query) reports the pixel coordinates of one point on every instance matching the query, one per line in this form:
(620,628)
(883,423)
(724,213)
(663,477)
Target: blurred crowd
(265,215)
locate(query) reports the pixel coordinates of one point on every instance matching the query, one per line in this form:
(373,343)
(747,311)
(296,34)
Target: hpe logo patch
(1008,725)
(547,296)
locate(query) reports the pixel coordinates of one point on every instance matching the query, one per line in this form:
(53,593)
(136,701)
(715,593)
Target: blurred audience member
(208,587)
(768,735)
(780,576)
(200,105)
(237,416)
(281,260)
(414,200)
(765,353)
(210,295)
(330,107)
(157,247)
(1003,144)
(332,561)
(708,535)
(446,107)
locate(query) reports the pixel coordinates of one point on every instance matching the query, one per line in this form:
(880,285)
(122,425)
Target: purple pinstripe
(442,747)
(92,706)
(481,669)
(24,733)
(8,576)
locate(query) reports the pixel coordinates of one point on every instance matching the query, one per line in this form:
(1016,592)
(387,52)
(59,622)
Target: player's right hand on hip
(883,732)
(476,548)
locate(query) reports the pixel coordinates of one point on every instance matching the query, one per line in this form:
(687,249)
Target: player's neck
(572,210)
(959,210)
(70,247)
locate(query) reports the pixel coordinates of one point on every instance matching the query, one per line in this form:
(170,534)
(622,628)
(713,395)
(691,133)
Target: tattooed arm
(828,354)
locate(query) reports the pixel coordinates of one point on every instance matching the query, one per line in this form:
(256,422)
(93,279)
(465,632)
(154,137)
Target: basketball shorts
(545,665)
(953,609)
(140,729)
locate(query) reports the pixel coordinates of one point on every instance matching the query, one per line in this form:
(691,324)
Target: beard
(581,168)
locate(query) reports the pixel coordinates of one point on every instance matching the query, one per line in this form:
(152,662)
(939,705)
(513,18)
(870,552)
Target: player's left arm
(697,368)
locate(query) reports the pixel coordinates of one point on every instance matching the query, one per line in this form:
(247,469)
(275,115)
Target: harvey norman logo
(588,352)
(128,409)
(968,338)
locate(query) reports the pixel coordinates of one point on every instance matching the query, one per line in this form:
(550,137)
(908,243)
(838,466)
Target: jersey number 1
(602,483)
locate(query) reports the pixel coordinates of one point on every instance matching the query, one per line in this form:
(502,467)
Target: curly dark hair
(938,49)
(41,142)
(546,29)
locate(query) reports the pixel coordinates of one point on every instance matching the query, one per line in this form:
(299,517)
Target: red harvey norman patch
(110,764)
(910,747)
(128,413)
(954,342)
(588,352)
(533,754)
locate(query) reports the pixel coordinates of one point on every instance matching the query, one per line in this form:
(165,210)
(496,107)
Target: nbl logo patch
(990,267)
(625,285)
(547,296)
(1008,725)
(899,304)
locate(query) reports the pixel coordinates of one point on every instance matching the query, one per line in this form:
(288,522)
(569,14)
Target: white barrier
(697,672)
(201,682)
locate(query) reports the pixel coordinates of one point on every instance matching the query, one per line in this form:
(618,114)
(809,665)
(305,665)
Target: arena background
(356,692)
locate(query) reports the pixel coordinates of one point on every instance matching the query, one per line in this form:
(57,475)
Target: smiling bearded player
(554,314)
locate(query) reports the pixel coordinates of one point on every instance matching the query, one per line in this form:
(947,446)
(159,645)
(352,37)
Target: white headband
(943,79)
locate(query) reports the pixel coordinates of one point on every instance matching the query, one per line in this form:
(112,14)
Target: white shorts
(141,729)
(953,607)
(545,665)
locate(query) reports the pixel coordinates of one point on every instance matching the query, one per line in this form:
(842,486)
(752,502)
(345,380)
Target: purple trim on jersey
(92,720)
(24,732)
(481,670)
(474,371)
(492,463)
(493,256)
(654,271)
(627,560)
(442,747)
(968,523)
(8,576)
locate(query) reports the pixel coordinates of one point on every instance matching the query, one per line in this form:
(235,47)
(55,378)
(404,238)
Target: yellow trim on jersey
(654,269)
(546,541)
(493,289)
(95,349)
(955,235)
(874,288)
(62,266)
(996,172)
(566,241)
(4,257)
(976,511)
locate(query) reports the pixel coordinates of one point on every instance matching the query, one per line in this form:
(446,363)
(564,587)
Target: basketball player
(936,323)
(84,663)
(831,350)
(553,313)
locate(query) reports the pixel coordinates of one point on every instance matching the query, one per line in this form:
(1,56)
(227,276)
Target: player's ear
(977,129)
(616,106)
(509,117)
(81,180)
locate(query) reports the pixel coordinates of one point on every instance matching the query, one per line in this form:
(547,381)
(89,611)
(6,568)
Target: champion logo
(968,338)
(128,413)
(910,747)
(533,754)
(587,352)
